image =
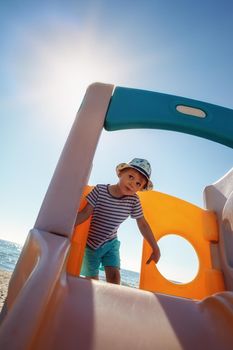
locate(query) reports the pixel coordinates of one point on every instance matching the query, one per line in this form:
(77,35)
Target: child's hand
(154,256)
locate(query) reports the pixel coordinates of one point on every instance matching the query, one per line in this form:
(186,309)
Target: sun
(59,67)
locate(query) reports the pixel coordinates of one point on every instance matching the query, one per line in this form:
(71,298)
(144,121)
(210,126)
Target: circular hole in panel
(195,112)
(179,262)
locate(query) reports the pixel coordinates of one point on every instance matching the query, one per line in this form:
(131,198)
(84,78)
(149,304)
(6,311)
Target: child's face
(131,181)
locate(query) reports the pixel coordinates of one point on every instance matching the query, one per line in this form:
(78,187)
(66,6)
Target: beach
(4,281)
(9,254)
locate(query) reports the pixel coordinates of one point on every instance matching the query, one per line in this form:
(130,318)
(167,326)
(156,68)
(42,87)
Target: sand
(4,281)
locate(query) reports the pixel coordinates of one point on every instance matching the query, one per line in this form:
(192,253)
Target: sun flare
(63,66)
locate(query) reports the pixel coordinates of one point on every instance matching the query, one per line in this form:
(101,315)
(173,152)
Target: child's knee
(112,275)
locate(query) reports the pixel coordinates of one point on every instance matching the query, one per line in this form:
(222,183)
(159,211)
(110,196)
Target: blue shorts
(108,254)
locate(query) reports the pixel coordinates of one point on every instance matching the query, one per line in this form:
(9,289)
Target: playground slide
(47,308)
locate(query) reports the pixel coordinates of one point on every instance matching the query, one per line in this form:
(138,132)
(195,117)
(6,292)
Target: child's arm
(84,214)
(148,235)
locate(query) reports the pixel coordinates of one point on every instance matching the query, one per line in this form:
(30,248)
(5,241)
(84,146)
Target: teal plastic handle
(133,109)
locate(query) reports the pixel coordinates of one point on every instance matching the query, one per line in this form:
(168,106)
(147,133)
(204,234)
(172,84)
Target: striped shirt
(109,212)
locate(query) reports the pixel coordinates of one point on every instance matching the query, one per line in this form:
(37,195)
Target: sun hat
(141,165)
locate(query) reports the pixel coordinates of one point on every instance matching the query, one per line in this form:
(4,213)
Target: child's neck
(115,190)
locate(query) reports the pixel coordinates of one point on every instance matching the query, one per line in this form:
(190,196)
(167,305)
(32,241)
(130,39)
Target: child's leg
(111,261)
(112,274)
(90,264)
(92,278)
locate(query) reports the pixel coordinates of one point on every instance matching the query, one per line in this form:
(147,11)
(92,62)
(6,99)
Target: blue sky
(51,51)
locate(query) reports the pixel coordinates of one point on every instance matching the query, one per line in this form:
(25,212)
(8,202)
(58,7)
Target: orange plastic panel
(79,239)
(170,215)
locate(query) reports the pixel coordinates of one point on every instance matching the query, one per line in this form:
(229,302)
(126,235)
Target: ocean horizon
(10,252)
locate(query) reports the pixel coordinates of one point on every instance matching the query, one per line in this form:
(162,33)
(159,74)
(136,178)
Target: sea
(10,252)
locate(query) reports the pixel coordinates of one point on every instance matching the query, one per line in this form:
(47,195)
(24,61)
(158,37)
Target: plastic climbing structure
(49,307)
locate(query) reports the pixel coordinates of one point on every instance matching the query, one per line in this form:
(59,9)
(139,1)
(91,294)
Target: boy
(109,206)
